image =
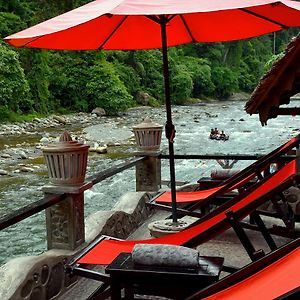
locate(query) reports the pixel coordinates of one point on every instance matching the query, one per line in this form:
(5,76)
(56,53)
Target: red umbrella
(146,24)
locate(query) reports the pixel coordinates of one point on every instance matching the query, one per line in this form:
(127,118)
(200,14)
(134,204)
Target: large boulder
(99,111)
(143,98)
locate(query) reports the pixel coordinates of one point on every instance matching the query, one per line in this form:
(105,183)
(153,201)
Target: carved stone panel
(65,223)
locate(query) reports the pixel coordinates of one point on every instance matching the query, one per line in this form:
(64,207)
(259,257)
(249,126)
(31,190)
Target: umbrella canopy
(135,24)
(146,24)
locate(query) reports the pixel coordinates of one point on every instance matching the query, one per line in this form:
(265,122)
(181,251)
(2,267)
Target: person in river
(213,133)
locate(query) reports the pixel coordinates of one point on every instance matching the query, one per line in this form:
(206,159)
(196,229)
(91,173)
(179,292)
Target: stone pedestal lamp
(148,139)
(66,162)
(148,135)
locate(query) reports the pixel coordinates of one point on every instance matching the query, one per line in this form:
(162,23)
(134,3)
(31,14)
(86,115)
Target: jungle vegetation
(40,82)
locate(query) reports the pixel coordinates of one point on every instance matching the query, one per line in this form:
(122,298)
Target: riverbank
(24,141)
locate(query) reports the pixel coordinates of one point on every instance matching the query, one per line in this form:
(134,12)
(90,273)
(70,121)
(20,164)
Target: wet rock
(44,140)
(210,115)
(3,172)
(26,169)
(5,155)
(113,144)
(23,155)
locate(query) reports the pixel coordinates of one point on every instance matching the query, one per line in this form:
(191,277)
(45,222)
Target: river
(193,124)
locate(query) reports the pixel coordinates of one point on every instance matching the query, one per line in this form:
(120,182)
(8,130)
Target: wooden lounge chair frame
(78,266)
(240,178)
(250,270)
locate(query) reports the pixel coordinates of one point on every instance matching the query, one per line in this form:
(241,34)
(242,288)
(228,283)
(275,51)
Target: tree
(225,81)
(14,88)
(106,90)
(38,77)
(200,71)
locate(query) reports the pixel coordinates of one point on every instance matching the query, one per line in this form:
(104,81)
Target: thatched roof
(278,85)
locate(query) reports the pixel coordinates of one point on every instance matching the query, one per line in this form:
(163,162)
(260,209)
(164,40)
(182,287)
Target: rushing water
(193,124)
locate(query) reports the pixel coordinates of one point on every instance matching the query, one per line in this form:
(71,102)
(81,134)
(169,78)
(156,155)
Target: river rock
(5,155)
(3,172)
(26,169)
(23,155)
(98,111)
(60,119)
(44,140)
(143,98)
(239,96)
(113,144)
(37,120)
(101,150)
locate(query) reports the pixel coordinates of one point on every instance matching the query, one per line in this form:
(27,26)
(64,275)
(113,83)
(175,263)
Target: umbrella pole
(169,128)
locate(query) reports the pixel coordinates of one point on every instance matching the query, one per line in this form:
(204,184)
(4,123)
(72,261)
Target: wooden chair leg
(240,232)
(263,229)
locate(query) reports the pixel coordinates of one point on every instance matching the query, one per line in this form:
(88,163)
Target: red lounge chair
(104,249)
(275,276)
(202,197)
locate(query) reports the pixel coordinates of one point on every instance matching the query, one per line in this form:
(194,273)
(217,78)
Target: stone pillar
(65,220)
(148,172)
(66,163)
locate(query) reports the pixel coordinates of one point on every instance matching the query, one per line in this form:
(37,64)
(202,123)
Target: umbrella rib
(158,20)
(112,32)
(154,19)
(263,17)
(187,28)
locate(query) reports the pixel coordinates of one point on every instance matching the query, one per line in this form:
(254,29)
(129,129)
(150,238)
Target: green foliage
(34,81)
(10,23)
(70,74)
(225,81)
(129,77)
(272,60)
(13,84)
(247,79)
(38,78)
(5,113)
(181,87)
(214,52)
(106,90)
(154,102)
(200,71)
(148,65)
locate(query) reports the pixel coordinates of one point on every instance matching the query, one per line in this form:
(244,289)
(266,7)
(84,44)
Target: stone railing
(43,277)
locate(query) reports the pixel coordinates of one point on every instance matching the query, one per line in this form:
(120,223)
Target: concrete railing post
(66,163)
(148,171)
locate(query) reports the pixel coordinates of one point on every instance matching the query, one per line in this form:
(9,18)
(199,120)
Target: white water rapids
(193,124)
